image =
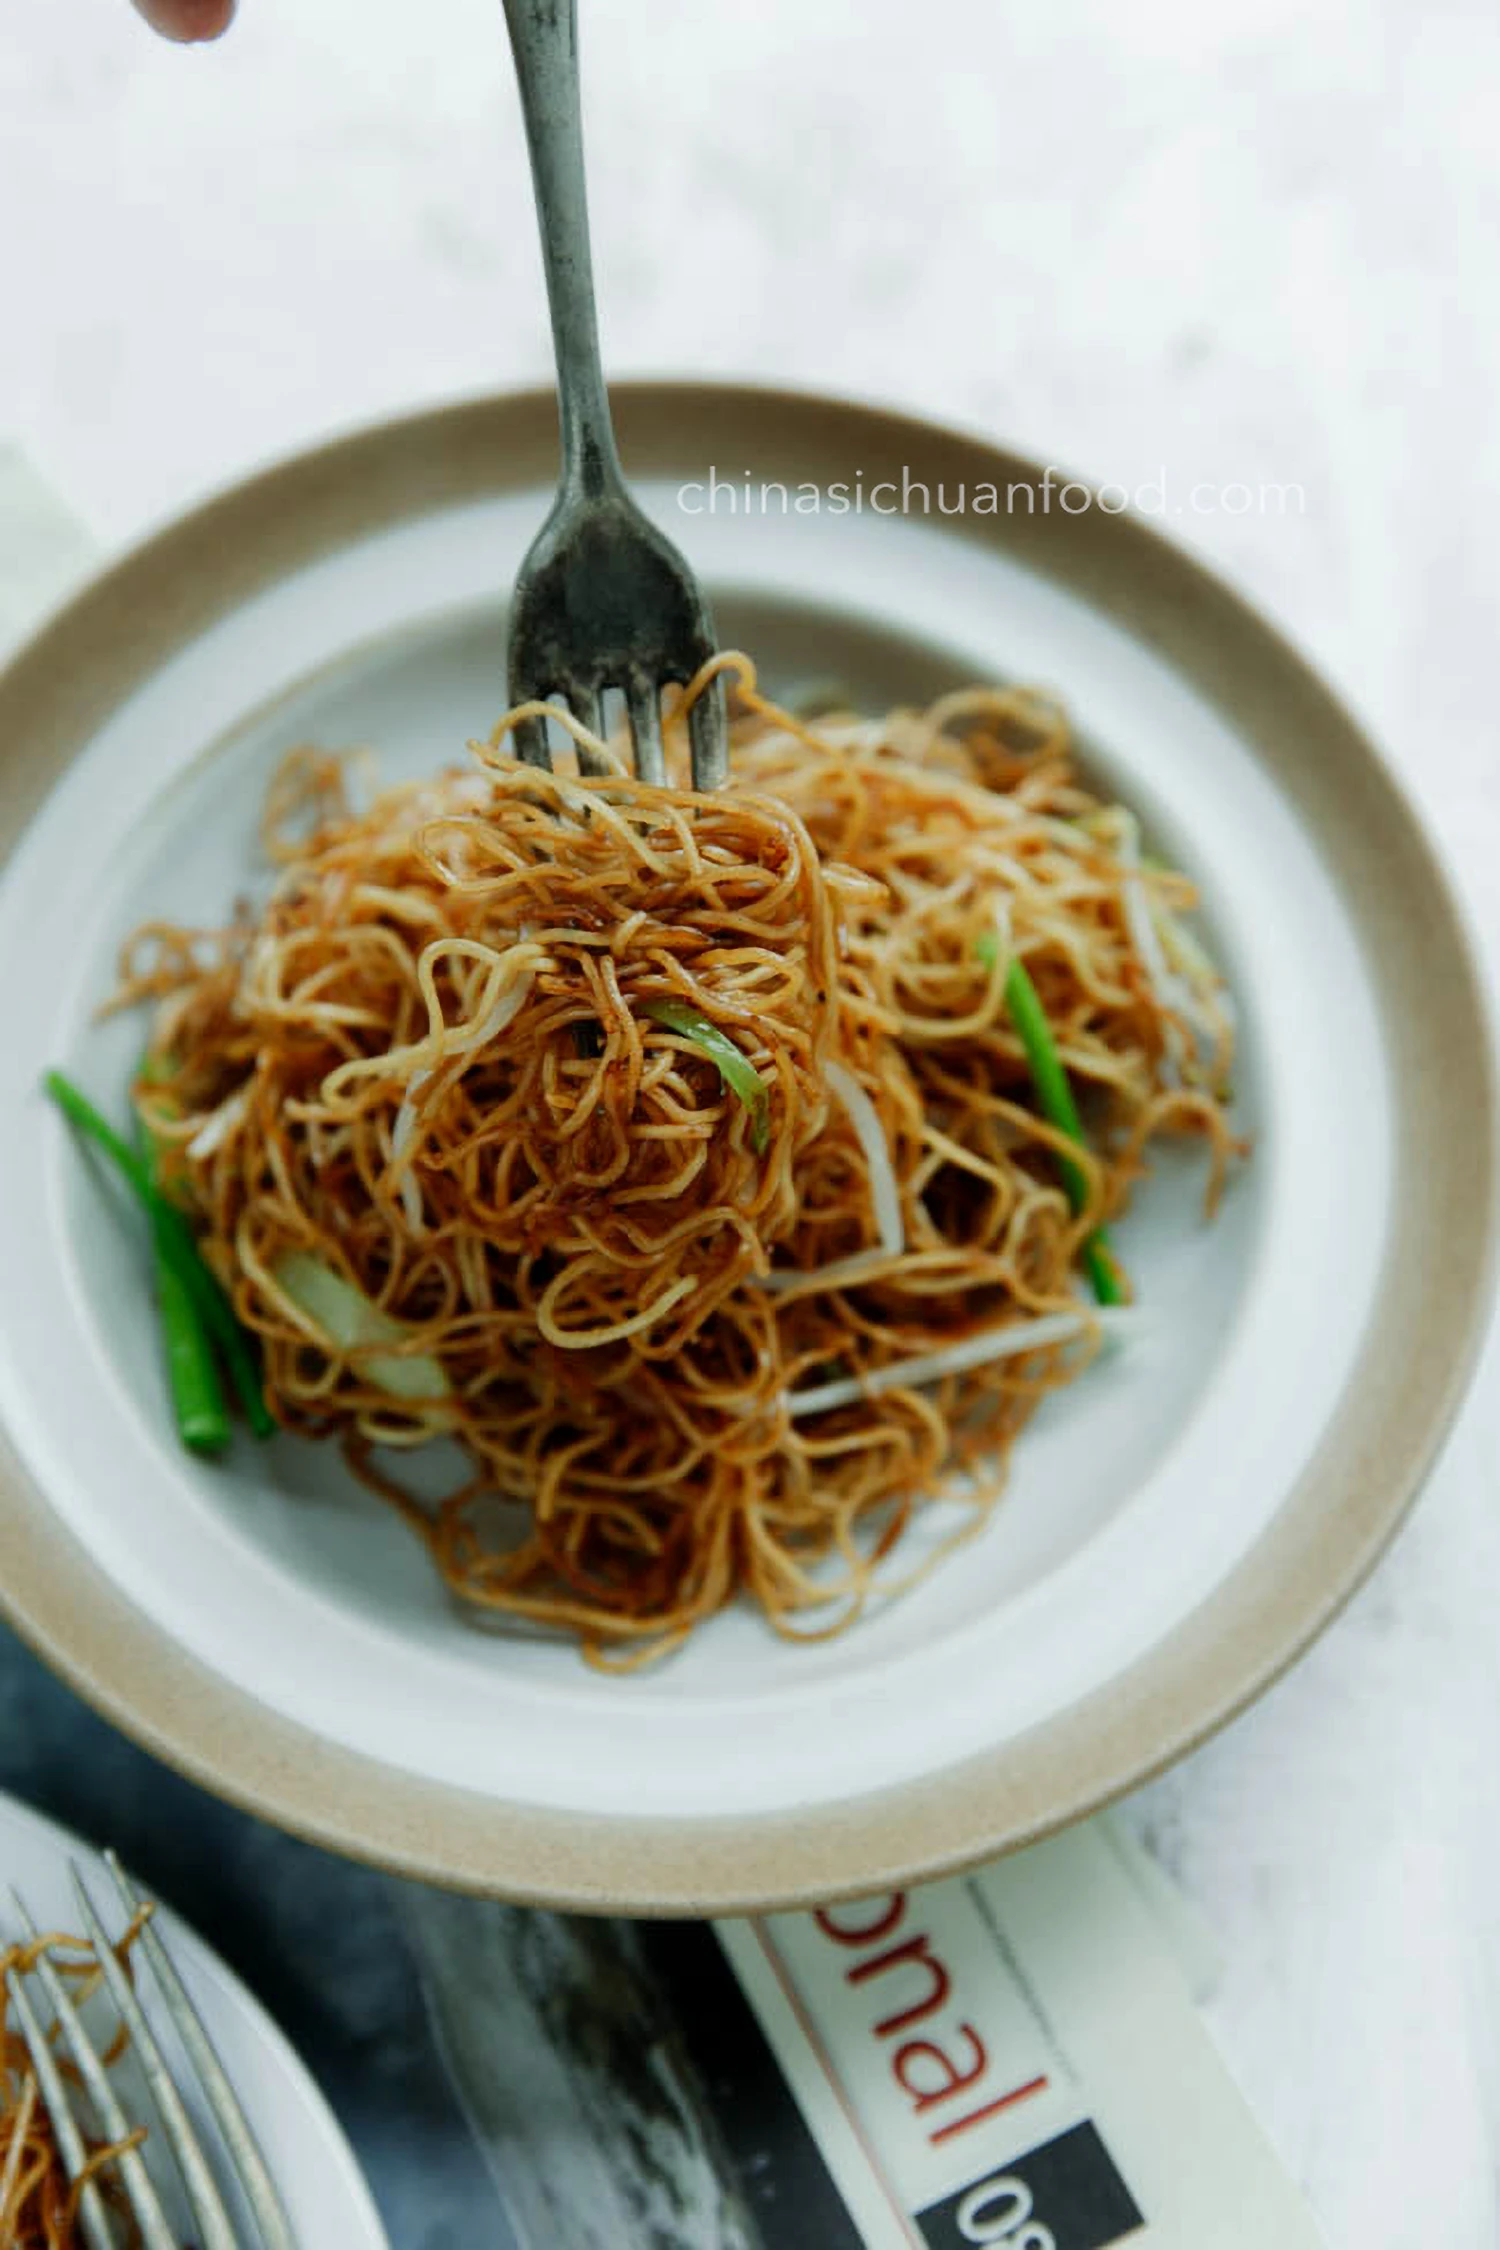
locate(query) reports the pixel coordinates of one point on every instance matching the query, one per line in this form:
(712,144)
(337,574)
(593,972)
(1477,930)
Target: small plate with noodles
(801,1336)
(320,2184)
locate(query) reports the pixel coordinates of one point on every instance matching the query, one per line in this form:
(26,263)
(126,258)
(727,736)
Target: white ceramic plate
(321,2186)
(354,598)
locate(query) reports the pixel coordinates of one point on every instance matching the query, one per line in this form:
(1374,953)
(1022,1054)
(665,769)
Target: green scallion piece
(192,1371)
(1055,1094)
(172,1240)
(218,1316)
(739,1075)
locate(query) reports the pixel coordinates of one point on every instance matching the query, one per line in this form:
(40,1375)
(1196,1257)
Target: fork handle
(544,41)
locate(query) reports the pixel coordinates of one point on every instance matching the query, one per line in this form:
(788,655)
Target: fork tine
(10,2171)
(644,702)
(708,727)
(208,2204)
(587,707)
(251,2166)
(144,2202)
(530,739)
(97,2230)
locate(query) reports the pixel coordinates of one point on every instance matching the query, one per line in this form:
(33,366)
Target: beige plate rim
(1381,1440)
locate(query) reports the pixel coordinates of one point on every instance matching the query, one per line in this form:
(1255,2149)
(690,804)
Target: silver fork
(603,600)
(215,2229)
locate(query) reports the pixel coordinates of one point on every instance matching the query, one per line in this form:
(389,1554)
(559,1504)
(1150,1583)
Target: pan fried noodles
(706,1166)
(38,2202)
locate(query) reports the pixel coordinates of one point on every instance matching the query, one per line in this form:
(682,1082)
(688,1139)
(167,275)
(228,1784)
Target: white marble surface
(1243,243)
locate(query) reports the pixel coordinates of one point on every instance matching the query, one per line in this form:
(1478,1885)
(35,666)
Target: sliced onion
(1011,1341)
(1174,996)
(406,1116)
(1197,968)
(219,1124)
(885,1195)
(411,1202)
(343,1319)
(505,1010)
(403,1131)
(842,1274)
(1143,933)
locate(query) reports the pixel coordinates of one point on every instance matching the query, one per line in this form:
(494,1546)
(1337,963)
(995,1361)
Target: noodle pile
(684,1333)
(38,2203)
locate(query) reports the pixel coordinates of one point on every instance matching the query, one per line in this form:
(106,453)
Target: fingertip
(189,22)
